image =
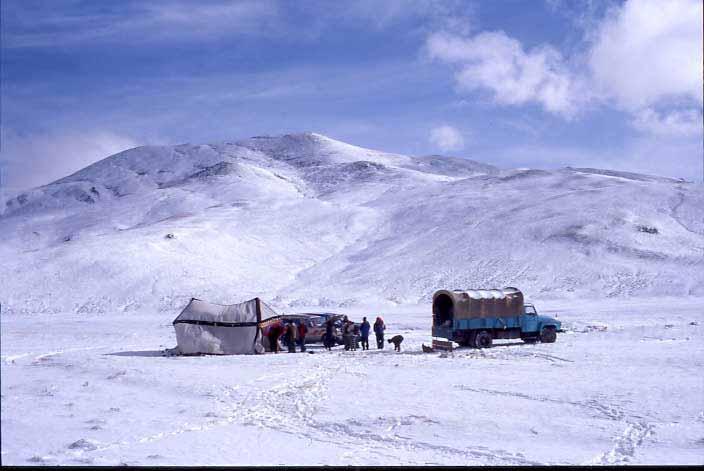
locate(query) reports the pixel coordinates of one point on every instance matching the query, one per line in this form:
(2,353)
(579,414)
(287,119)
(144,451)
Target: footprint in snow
(117,374)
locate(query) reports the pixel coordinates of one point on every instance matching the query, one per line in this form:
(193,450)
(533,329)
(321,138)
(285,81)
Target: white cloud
(648,51)
(446,138)
(684,123)
(499,63)
(37,159)
(642,55)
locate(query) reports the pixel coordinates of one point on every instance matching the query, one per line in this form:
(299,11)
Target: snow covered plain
(90,284)
(623,386)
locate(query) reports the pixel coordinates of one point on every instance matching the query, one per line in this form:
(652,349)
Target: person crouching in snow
(302,331)
(275,331)
(291,337)
(396,340)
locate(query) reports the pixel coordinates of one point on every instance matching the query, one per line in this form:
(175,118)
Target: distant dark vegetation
(648,229)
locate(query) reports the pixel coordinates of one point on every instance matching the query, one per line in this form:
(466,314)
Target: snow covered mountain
(304,219)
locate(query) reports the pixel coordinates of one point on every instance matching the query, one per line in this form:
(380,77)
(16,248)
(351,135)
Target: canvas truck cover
(476,303)
(208,328)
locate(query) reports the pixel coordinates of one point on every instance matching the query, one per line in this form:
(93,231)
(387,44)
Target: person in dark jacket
(302,331)
(347,335)
(291,337)
(329,340)
(364,332)
(379,329)
(355,336)
(396,340)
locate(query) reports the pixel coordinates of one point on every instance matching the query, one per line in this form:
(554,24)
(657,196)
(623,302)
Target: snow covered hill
(307,220)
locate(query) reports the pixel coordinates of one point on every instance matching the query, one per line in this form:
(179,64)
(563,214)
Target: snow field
(623,386)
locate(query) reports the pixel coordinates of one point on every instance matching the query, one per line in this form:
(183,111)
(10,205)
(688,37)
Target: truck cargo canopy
(476,303)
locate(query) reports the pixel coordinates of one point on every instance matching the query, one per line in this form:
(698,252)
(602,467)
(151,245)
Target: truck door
(529,321)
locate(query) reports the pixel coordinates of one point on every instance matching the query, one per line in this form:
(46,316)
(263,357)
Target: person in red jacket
(275,331)
(302,331)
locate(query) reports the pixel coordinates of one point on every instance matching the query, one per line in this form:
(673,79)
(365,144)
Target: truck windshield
(530,310)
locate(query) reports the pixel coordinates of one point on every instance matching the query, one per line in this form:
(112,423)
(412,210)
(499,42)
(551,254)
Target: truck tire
(548,335)
(483,339)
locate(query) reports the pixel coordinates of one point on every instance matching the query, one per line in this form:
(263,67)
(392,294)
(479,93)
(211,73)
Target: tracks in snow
(296,406)
(626,444)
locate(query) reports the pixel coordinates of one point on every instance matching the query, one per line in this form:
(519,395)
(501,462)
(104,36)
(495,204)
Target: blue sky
(530,83)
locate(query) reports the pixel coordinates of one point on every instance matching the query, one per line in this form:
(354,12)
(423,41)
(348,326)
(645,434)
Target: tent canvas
(217,329)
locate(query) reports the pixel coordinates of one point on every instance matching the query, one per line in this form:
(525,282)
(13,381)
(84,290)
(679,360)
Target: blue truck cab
(476,317)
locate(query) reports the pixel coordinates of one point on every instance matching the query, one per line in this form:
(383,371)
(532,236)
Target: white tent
(218,329)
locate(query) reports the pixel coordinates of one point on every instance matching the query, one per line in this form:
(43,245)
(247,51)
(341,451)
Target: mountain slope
(305,219)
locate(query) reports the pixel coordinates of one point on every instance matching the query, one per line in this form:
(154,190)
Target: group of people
(352,335)
(291,334)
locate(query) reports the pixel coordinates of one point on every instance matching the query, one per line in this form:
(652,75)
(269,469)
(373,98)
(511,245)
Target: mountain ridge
(304,219)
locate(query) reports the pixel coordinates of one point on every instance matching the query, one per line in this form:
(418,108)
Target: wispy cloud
(677,123)
(446,138)
(453,15)
(30,160)
(71,22)
(33,24)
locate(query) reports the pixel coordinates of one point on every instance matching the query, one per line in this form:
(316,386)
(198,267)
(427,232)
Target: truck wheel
(548,335)
(483,339)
